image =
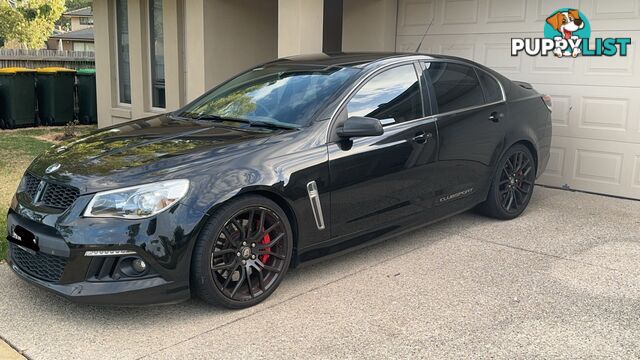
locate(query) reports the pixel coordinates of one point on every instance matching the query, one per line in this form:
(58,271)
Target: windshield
(287,95)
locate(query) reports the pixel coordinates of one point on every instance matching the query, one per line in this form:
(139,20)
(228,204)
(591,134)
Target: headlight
(137,202)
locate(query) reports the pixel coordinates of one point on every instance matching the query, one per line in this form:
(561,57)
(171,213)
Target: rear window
(492,90)
(456,86)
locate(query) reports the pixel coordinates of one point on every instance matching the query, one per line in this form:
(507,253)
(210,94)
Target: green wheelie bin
(56,89)
(17,98)
(87,104)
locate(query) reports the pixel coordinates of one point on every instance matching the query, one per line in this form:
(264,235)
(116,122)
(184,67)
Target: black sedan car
(286,163)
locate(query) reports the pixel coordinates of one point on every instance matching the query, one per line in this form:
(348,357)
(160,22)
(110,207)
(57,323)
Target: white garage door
(596,118)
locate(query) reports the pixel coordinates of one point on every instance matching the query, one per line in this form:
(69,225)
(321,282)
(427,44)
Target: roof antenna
(425,34)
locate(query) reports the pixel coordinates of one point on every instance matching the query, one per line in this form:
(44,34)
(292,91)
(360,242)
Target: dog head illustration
(566,22)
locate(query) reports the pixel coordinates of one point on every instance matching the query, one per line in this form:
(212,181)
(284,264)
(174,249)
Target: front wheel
(242,253)
(512,184)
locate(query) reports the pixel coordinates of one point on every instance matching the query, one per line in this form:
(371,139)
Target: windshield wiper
(274,125)
(256,123)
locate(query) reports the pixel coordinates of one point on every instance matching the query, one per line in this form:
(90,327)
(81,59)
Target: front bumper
(128,292)
(60,265)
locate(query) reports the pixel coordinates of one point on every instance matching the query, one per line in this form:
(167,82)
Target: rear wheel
(242,253)
(512,184)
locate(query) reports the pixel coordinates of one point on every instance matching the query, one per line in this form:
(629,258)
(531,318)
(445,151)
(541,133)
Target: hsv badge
(52,168)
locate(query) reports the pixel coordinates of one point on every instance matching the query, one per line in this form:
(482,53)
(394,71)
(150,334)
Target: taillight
(547,101)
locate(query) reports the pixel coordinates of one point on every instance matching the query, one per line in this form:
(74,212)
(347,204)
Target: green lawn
(17,149)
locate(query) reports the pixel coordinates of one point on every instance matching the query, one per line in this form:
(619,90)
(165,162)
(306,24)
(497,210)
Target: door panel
(471,134)
(470,144)
(383,180)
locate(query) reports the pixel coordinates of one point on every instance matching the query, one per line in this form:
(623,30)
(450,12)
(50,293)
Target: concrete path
(563,280)
(9,353)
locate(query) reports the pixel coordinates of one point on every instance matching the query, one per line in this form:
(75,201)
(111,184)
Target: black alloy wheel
(512,184)
(243,253)
(516,182)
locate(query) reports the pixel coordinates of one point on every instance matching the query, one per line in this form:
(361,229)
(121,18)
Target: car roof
(370,61)
(360,59)
(363,60)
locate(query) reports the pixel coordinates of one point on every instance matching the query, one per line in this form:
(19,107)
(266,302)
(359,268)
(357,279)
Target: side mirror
(360,126)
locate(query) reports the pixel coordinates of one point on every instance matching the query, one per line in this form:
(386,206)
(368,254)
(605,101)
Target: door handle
(495,117)
(422,137)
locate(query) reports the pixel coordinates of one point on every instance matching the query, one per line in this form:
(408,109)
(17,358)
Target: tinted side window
(492,90)
(456,86)
(392,94)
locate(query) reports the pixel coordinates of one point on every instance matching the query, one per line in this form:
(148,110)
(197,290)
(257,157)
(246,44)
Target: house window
(83,46)
(156,45)
(86,21)
(124,71)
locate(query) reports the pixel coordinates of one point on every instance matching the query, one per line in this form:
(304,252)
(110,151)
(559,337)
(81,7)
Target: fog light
(139,265)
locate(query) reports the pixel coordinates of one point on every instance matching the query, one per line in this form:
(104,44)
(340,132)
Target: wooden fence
(46,58)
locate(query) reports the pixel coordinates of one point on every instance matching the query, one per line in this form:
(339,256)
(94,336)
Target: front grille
(43,266)
(59,196)
(53,195)
(31,185)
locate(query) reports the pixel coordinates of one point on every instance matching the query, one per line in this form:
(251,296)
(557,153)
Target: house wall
(299,27)
(68,45)
(206,42)
(238,34)
(75,24)
(52,44)
(369,25)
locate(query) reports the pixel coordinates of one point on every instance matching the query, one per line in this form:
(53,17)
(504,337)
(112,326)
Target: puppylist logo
(567,33)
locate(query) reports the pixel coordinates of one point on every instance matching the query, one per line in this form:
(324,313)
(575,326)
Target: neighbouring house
(156,55)
(80,18)
(80,37)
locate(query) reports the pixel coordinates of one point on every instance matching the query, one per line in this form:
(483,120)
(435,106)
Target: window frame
(117,53)
(432,99)
(150,56)
(372,78)
(84,46)
(86,20)
(482,85)
(341,113)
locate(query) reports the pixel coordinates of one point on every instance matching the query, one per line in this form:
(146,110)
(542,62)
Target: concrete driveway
(563,280)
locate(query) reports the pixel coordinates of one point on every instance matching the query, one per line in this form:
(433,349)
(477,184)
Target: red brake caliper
(265,240)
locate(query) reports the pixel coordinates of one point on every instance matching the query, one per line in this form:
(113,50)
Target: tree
(31,22)
(9,21)
(77,4)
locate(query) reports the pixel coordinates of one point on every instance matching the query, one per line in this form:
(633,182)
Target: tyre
(242,253)
(512,184)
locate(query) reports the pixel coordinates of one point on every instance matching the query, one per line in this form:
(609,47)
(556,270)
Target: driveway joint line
(540,253)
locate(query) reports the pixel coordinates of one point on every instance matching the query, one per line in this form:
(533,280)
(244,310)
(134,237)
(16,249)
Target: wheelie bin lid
(14,70)
(53,70)
(86,72)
